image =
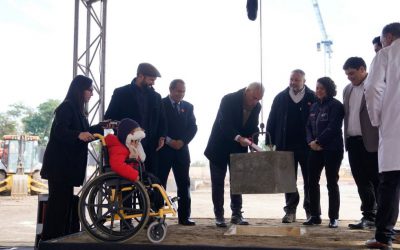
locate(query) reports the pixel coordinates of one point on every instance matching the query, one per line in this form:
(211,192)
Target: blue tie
(176,106)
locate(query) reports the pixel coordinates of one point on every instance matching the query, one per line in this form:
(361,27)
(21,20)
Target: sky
(210,44)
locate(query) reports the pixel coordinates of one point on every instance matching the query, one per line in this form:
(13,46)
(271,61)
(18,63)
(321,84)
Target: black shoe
(333,223)
(373,243)
(313,220)
(187,222)
(363,224)
(220,222)
(289,218)
(238,219)
(126,225)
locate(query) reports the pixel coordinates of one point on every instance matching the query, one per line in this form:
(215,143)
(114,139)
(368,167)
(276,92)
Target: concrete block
(262,173)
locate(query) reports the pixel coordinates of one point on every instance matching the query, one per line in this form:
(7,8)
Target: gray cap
(147,69)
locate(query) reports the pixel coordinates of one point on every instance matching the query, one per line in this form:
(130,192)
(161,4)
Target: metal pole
(103,61)
(76,29)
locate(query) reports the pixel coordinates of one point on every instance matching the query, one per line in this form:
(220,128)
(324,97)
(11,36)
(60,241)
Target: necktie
(176,107)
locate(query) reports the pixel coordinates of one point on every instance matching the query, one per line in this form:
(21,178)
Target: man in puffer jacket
(126,145)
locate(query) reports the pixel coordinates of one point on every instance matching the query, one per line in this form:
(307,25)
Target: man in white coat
(382,94)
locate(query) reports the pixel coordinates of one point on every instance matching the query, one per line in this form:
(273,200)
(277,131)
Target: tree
(7,125)
(39,122)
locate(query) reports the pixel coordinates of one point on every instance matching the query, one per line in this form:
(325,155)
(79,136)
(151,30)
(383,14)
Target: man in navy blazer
(140,102)
(182,127)
(236,121)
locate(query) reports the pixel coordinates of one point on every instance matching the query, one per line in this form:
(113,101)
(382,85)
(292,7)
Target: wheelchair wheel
(113,209)
(156,232)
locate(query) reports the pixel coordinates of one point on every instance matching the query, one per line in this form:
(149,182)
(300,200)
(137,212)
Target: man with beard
(287,127)
(140,102)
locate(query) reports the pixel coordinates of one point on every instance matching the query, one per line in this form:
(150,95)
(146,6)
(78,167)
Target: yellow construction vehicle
(20,166)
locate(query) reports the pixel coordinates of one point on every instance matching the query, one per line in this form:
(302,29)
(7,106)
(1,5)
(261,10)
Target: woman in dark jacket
(65,158)
(324,136)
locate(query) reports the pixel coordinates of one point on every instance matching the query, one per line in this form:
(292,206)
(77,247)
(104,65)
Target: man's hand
(161,142)
(315,146)
(176,144)
(244,142)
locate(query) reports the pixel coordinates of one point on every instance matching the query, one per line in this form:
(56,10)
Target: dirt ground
(206,233)
(18,223)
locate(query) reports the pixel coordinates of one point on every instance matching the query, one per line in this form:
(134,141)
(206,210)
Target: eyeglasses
(90,90)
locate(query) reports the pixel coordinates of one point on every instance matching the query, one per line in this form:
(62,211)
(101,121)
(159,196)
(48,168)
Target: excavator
(20,166)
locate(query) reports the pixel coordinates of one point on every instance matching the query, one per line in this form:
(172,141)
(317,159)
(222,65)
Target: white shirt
(297,97)
(382,96)
(354,124)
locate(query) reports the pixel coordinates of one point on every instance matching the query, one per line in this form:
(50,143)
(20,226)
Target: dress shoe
(373,243)
(289,218)
(220,222)
(333,223)
(313,220)
(363,224)
(187,222)
(238,220)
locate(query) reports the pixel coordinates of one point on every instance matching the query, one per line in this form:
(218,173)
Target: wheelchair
(114,209)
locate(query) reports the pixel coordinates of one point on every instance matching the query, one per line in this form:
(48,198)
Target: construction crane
(325,40)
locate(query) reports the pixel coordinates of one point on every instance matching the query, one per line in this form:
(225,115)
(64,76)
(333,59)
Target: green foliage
(39,121)
(7,125)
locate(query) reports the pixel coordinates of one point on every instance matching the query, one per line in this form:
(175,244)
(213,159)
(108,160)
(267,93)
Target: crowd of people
(157,131)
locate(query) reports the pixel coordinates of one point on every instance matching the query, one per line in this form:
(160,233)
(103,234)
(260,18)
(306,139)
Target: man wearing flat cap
(140,102)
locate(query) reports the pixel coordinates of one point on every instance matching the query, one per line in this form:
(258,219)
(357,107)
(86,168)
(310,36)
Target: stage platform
(261,234)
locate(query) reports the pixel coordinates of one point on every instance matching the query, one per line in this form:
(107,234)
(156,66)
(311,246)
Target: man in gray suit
(361,141)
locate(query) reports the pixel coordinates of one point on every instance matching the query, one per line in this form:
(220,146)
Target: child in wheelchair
(126,154)
(126,157)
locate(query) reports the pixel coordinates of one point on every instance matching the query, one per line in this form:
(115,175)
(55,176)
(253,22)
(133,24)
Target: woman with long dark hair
(65,158)
(324,136)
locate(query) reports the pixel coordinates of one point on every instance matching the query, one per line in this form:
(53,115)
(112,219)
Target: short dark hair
(175,82)
(354,63)
(329,85)
(392,28)
(377,40)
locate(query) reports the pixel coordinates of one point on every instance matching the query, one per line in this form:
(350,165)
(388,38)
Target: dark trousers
(388,205)
(182,180)
(331,160)
(218,173)
(364,167)
(151,162)
(293,199)
(57,216)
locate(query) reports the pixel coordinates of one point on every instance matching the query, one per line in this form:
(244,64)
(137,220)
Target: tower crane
(325,40)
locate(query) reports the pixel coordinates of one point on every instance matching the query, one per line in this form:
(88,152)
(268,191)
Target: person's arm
(226,119)
(375,86)
(335,121)
(112,111)
(63,131)
(117,155)
(271,122)
(191,128)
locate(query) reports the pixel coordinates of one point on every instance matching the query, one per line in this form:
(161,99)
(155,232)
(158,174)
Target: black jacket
(180,127)
(277,119)
(325,124)
(227,125)
(124,104)
(65,157)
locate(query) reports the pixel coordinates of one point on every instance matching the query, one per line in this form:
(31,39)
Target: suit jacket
(228,124)
(124,104)
(180,127)
(277,119)
(65,157)
(370,134)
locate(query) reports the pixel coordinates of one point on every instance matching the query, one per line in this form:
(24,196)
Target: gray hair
(256,86)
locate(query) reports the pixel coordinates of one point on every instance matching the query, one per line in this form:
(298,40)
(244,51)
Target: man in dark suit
(182,127)
(287,127)
(361,141)
(140,102)
(236,121)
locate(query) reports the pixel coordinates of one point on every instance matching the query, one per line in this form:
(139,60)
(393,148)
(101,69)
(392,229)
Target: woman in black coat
(65,158)
(324,136)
